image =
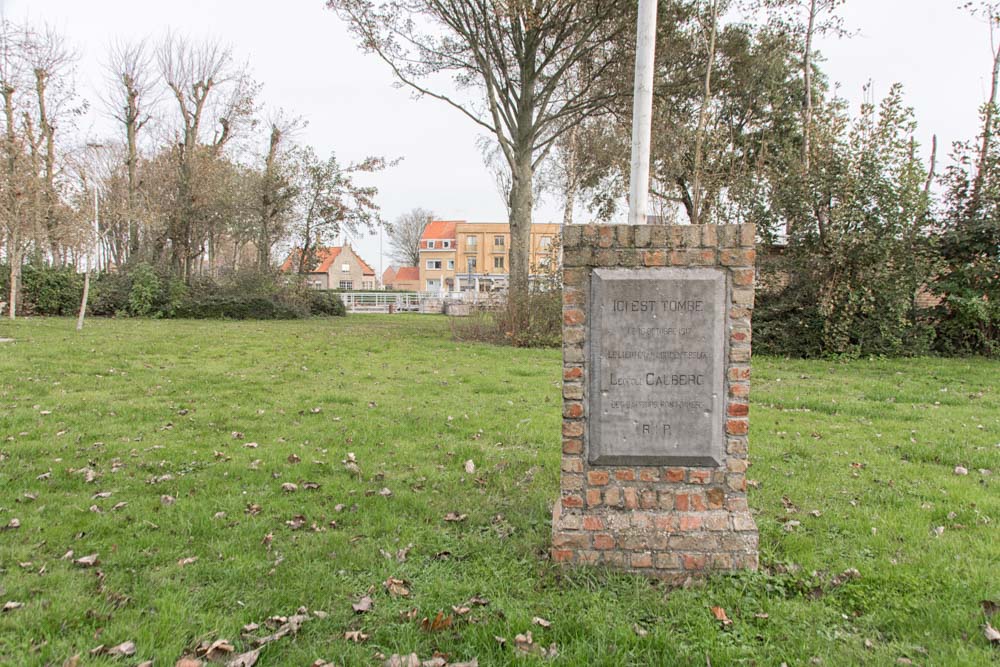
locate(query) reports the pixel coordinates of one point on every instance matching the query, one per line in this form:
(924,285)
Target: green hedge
(145,291)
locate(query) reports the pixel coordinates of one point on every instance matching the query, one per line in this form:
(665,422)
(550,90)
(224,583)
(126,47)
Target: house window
(451,264)
(471,242)
(434,264)
(367,284)
(545,242)
(430,244)
(445,244)
(345,268)
(346,284)
(498,262)
(470,262)
(498,242)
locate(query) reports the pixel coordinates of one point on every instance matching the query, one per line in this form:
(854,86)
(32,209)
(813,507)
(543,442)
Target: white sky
(310,66)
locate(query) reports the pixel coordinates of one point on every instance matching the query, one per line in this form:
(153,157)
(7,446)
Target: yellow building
(459,256)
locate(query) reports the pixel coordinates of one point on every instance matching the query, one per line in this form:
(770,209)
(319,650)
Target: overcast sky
(309,65)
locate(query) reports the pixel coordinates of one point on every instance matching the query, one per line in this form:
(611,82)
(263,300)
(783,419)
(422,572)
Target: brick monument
(656,380)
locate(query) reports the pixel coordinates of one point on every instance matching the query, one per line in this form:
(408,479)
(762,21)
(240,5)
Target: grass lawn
(161,415)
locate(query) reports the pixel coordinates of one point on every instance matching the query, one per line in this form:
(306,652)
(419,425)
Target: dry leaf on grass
(356,636)
(470,467)
(439,622)
(720,615)
(217,651)
(395,660)
(992,635)
(10,605)
(87,561)
(455,517)
(288,487)
(396,587)
(363,605)
(248,659)
(538,620)
(12,524)
(187,561)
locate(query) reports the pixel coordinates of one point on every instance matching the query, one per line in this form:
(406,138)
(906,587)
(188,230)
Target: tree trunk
(521,202)
(807,107)
(569,192)
(15,275)
(984,147)
(132,159)
(86,294)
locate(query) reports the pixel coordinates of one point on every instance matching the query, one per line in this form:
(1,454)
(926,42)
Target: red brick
(648,500)
(682,502)
(605,237)
(716,498)
(572,429)
(625,475)
(613,496)
(739,336)
(694,562)
(675,474)
(654,258)
(572,464)
(570,540)
(739,390)
(739,373)
(699,476)
(631,499)
(737,257)
(697,502)
(666,523)
(597,477)
(572,500)
(572,446)
(642,559)
(738,409)
(742,277)
(574,373)
(562,555)
(690,522)
(573,410)
(603,541)
(593,497)
(737,426)
(649,475)
(573,317)
(593,523)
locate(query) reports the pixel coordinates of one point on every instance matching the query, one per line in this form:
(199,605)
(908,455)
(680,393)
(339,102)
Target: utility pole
(642,111)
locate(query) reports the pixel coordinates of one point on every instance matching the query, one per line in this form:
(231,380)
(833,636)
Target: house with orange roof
(403,278)
(461,256)
(336,267)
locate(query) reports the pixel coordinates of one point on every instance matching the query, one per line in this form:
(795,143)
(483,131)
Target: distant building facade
(337,267)
(460,256)
(404,278)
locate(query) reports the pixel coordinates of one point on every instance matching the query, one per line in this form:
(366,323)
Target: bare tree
(278,188)
(13,183)
(990,11)
(131,85)
(516,55)
(404,236)
(213,94)
(699,141)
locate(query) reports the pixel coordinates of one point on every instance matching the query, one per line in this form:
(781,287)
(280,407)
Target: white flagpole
(642,111)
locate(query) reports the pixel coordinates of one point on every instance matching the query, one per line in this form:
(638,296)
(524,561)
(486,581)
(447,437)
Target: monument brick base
(656,379)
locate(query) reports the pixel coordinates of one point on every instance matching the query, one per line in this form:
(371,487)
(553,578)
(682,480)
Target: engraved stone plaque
(657,360)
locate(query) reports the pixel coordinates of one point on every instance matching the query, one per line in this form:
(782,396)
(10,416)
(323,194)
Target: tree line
(198,179)
(867,246)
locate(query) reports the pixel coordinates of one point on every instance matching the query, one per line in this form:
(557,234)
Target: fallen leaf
(310,486)
(118,506)
(992,635)
(253,509)
(470,467)
(288,487)
(88,561)
(188,662)
(124,649)
(538,620)
(356,636)
(439,622)
(720,615)
(959,470)
(12,524)
(187,561)
(385,492)
(363,605)
(248,659)
(639,630)
(167,500)
(989,607)
(216,651)
(455,517)
(11,606)
(396,587)
(294,458)
(395,660)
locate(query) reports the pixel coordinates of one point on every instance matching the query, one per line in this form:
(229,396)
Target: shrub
(47,290)
(145,291)
(322,302)
(533,319)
